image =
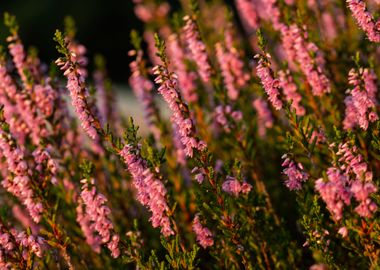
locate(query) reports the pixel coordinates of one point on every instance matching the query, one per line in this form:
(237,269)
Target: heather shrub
(269,158)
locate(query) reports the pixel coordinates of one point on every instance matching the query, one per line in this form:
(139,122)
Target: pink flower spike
(204,235)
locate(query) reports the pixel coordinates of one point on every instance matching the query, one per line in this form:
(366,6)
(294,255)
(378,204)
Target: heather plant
(269,157)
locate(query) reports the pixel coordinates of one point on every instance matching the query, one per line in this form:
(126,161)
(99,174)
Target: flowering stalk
(270,84)
(290,91)
(295,174)
(77,88)
(180,113)
(264,116)
(232,70)
(98,214)
(20,184)
(186,79)
(143,89)
(361,103)
(298,48)
(197,49)
(150,191)
(204,235)
(365,19)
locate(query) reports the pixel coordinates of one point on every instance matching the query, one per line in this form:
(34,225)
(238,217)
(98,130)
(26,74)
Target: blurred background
(103,27)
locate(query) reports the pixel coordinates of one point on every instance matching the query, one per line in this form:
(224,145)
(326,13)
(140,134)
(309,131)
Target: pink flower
(264,116)
(361,103)
(99,216)
(197,49)
(231,67)
(180,113)
(79,95)
(150,191)
(186,78)
(143,89)
(204,235)
(362,191)
(364,19)
(20,184)
(298,48)
(290,91)
(234,187)
(248,14)
(295,174)
(343,232)
(335,192)
(270,84)
(223,114)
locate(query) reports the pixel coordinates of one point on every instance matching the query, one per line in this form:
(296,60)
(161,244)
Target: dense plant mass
(270,158)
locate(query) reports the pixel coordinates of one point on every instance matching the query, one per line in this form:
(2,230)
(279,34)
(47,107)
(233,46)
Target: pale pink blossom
(343,232)
(79,95)
(143,89)
(362,191)
(20,184)
(224,116)
(300,49)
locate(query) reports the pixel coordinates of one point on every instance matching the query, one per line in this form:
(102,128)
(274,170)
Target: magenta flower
(295,174)
(204,235)
(150,191)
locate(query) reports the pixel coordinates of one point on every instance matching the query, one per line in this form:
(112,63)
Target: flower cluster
(361,103)
(295,174)
(234,187)
(270,84)
(204,235)
(364,19)
(98,214)
(180,113)
(151,192)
